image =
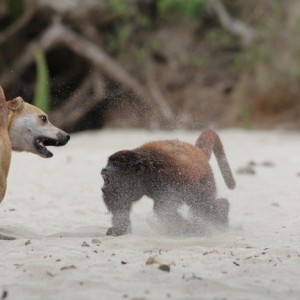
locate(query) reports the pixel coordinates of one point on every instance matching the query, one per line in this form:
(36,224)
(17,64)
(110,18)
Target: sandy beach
(54,209)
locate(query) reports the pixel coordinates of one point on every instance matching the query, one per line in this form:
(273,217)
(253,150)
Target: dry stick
(59,34)
(80,102)
(3,9)
(247,34)
(6,237)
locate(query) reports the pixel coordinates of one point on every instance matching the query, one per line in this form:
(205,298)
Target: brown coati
(171,173)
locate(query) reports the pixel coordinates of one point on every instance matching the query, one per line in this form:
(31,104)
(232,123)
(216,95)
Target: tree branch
(234,26)
(59,34)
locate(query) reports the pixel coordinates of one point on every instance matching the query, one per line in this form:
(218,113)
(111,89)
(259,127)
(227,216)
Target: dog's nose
(62,138)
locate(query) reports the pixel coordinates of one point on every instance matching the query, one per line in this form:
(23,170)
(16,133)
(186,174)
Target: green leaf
(42,87)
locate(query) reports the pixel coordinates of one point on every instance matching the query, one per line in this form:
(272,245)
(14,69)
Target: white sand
(57,204)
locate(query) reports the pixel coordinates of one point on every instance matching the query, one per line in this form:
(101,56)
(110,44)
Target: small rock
(50,274)
(252,163)
(248,170)
(96,241)
(268,163)
(85,244)
(4,295)
(164,268)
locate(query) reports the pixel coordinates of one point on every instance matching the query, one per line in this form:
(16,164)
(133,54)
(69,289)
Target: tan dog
(24,127)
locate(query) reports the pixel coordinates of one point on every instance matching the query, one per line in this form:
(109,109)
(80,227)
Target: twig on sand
(6,237)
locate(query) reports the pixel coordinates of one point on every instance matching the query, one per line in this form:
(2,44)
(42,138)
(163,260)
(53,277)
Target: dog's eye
(44,118)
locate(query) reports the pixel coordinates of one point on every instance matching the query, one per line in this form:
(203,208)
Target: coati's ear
(135,161)
(130,159)
(142,163)
(122,157)
(16,104)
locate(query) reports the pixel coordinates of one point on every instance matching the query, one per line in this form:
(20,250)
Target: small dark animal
(171,173)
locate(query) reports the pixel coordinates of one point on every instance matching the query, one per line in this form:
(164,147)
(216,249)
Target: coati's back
(178,160)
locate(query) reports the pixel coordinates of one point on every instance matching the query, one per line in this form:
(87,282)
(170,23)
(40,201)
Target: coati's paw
(113,231)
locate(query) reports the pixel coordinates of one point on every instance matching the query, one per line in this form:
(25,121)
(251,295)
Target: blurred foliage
(42,88)
(16,8)
(120,7)
(120,38)
(188,38)
(198,62)
(124,28)
(192,8)
(246,116)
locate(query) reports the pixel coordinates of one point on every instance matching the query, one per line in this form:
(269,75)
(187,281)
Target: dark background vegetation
(154,63)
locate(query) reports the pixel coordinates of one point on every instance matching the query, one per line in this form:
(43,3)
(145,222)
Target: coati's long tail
(209,141)
(3,110)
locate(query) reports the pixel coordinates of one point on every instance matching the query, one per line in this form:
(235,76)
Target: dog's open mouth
(41,144)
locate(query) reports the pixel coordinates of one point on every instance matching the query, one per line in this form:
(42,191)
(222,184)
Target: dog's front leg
(5,156)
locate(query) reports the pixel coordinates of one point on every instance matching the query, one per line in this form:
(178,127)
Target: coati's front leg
(120,208)
(210,215)
(217,212)
(120,223)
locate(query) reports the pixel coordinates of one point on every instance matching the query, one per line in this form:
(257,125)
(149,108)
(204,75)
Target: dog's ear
(16,104)
(3,110)
(2,96)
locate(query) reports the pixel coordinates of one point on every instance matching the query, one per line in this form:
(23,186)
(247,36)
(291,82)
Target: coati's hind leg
(206,210)
(217,213)
(212,213)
